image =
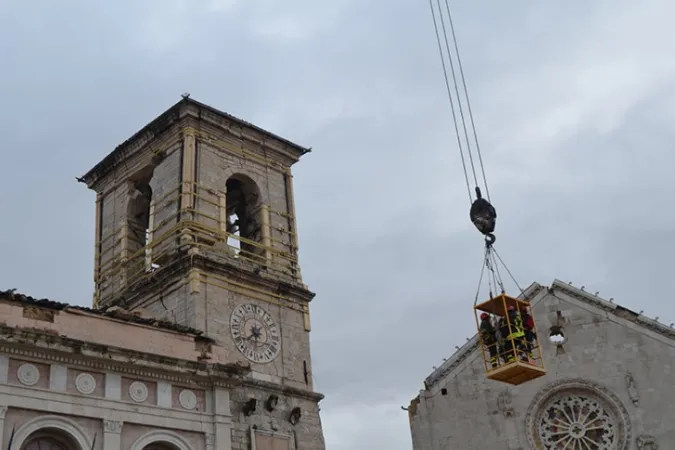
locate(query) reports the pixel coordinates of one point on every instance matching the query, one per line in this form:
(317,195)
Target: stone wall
(117,409)
(305,435)
(114,197)
(87,401)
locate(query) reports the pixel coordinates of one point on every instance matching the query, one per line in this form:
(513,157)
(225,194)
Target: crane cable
(460,108)
(491,256)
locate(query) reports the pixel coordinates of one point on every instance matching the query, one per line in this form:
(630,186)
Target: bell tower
(195,224)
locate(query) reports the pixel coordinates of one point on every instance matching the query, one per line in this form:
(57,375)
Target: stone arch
(58,424)
(244,204)
(160,437)
(138,221)
(578,390)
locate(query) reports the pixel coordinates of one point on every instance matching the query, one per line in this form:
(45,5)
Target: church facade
(609,385)
(198,338)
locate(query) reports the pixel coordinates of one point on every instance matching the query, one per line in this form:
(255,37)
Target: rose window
(576,423)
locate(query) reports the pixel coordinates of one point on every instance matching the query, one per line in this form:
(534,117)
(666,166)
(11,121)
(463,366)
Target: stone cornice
(211,126)
(269,282)
(289,390)
(182,263)
(224,120)
(123,151)
(611,307)
(34,345)
(162,123)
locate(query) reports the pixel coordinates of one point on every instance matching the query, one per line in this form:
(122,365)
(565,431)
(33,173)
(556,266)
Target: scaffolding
(511,353)
(193,217)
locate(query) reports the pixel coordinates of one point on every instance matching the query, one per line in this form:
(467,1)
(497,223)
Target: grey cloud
(573,114)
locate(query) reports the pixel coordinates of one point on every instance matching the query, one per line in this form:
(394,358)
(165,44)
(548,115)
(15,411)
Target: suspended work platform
(508,339)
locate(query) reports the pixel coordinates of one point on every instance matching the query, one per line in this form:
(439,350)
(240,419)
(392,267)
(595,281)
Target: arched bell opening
(508,340)
(245,217)
(140,224)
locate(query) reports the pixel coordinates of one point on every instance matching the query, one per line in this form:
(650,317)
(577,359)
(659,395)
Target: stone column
(266,233)
(112,435)
(188,187)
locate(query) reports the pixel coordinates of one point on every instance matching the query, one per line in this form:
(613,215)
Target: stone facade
(199,338)
(608,385)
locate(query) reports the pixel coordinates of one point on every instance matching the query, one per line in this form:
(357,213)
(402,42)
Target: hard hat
(510,308)
(484,316)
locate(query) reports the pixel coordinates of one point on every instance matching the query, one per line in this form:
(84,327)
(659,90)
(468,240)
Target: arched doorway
(51,433)
(45,440)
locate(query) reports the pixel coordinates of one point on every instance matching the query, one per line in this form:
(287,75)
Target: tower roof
(163,122)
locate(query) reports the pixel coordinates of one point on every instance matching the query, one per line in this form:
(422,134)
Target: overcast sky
(574,103)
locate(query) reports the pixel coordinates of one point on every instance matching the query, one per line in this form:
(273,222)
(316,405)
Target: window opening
(556,335)
(139,223)
(243,221)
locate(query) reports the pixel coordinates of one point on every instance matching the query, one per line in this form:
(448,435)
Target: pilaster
(112,435)
(3,412)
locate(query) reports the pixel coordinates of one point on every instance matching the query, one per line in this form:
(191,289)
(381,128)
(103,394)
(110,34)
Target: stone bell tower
(195,224)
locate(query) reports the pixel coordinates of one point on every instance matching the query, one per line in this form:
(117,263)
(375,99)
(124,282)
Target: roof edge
(163,121)
(11,296)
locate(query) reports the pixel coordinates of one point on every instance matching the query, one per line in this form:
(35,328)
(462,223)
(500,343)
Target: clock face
(255,334)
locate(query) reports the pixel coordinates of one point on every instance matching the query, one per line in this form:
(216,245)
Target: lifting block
(516,373)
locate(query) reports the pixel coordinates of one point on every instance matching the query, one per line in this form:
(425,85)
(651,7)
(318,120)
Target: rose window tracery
(576,422)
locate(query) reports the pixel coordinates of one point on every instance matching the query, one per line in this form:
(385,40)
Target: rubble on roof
(135,317)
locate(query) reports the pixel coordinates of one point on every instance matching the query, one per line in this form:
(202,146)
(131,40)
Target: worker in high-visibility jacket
(513,334)
(488,336)
(530,335)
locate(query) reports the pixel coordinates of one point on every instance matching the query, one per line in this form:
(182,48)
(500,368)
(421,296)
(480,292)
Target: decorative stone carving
(3,411)
(187,399)
(504,403)
(633,392)
(576,420)
(210,439)
(85,383)
(576,411)
(100,365)
(646,442)
(138,391)
(28,374)
(112,426)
